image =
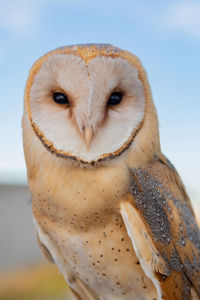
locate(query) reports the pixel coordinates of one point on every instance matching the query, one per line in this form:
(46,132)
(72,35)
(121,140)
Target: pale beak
(88,134)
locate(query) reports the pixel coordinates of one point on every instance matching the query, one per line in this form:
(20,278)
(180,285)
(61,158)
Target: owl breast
(82,219)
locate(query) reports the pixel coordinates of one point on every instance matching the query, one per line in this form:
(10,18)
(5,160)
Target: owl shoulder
(165,221)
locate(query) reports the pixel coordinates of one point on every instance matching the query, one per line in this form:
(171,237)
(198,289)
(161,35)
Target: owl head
(91,103)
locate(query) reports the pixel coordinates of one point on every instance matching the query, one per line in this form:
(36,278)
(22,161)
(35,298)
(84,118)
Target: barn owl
(109,208)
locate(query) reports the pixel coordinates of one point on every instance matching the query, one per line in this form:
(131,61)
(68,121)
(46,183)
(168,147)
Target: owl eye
(115,98)
(60,98)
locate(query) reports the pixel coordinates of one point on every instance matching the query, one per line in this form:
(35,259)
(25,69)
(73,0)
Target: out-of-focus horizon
(165,36)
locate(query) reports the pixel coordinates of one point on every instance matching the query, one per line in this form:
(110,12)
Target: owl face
(86,102)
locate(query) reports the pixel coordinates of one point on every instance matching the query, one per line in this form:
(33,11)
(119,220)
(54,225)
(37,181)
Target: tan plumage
(109,208)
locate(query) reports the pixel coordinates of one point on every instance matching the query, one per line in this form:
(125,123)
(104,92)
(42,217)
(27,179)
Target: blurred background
(166,37)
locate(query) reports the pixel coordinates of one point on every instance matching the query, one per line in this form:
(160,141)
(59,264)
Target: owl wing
(160,223)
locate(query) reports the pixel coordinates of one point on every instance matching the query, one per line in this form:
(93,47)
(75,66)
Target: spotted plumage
(109,209)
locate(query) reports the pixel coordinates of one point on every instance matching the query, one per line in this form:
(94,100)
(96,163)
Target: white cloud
(18,17)
(184,16)
(23,17)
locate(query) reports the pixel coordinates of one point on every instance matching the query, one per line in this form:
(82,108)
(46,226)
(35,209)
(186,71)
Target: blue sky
(164,34)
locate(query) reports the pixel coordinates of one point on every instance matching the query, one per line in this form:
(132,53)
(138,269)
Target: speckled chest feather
(81,215)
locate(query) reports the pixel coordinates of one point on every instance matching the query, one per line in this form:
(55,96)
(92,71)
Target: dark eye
(60,98)
(115,98)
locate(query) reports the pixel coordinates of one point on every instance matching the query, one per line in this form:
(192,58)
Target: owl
(109,208)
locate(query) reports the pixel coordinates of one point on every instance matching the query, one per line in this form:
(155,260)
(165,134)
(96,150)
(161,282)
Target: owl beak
(88,134)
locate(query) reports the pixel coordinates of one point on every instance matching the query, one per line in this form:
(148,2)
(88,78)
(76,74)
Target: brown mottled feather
(162,202)
(175,179)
